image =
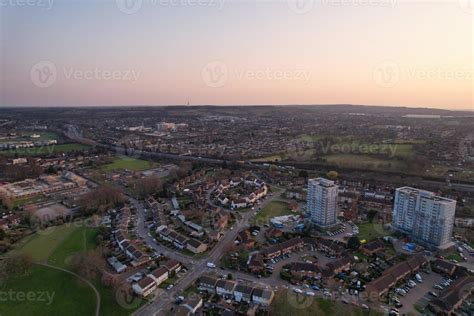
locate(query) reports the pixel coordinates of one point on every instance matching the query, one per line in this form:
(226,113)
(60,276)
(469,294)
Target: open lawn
(44,150)
(81,239)
(130,164)
(56,293)
(71,296)
(371,231)
(288,303)
(272,209)
(40,245)
(364,161)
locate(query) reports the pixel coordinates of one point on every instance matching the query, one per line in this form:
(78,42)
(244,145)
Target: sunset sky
(222,52)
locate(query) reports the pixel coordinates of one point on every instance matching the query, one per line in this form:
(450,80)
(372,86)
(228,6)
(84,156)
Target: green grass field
(66,294)
(80,239)
(364,161)
(40,245)
(130,164)
(271,210)
(71,296)
(44,150)
(371,231)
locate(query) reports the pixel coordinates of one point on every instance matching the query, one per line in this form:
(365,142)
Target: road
(196,267)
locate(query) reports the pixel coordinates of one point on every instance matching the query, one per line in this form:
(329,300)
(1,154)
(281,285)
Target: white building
(322,201)
(423,215)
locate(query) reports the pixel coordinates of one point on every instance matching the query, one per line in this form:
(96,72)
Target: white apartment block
(423,215)
(322,201)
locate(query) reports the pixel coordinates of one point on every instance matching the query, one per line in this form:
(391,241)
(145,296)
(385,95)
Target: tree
(14,266)
(149,185)
(89,264)
(353,243)
(303,174)
(101,199)
(332,175)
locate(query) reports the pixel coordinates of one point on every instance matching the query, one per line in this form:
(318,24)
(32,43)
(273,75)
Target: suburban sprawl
(277,210)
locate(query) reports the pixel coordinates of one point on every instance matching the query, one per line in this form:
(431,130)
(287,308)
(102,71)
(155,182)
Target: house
(225,288)
(192,303)
(145,286)
(394,274)
(117,265)
(159,275)
(196,246)
(262,296)
(207,284)
(273,232)
(373,247)
(329,246)
(172,266)
(453,296)
(443,267)
(339,265)
(239,203)
(304,269)
(291,245)
(245,239)
(256,264)
(297,194)
(243,293)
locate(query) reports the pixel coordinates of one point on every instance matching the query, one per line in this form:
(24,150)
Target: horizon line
(234,105)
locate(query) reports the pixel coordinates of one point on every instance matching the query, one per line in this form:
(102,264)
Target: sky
(231,52)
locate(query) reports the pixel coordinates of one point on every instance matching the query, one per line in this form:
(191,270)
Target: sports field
(123,162)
